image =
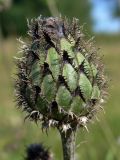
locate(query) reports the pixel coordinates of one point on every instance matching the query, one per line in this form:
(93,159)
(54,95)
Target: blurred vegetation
(13,19)
(103,140)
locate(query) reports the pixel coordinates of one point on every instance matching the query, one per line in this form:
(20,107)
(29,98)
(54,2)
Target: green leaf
(87,69)
(67,46)
(63,97)
(35,74)
(53,59)
(77,105)
(42,105)
(94,70)
(48,88)
(42,57)
(85,86)
(95,92)
(70,76)
(78,59)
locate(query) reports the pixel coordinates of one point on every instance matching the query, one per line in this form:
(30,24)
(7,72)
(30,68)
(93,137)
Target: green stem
(68,144)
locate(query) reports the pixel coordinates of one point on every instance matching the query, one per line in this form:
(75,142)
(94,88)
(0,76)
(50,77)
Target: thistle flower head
(60,77)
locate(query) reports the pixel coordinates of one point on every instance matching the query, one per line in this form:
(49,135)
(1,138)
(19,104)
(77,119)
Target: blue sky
(102,15)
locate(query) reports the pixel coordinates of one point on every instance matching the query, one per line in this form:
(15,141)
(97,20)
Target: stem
(53,7)
(68,144)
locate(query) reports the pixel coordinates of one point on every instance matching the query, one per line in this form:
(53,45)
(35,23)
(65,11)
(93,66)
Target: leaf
(63,97)
(42,58)
(78,59)
(48,88)
(67,46)
(35,74)
(70,76)
(95,92)
(77,105)
(94,70)
(42,105)
(53,59)
(87,69)
(85,86)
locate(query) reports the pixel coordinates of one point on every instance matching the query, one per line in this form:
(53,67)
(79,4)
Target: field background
(103,140)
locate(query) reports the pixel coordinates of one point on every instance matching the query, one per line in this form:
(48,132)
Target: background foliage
(13,19)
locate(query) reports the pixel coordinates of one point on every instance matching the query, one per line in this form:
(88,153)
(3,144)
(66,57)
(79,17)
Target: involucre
(60,78)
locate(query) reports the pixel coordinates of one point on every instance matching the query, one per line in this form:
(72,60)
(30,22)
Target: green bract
(60,77)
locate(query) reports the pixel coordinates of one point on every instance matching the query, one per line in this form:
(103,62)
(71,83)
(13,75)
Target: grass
(103,140)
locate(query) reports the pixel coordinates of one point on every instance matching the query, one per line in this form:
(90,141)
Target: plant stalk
(68,144)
